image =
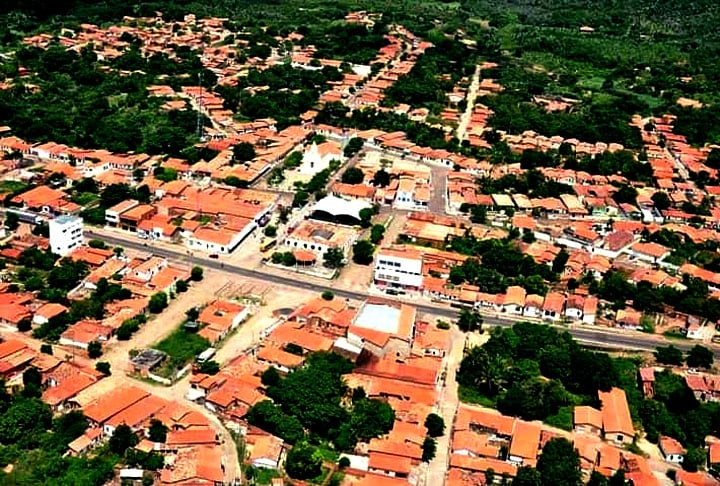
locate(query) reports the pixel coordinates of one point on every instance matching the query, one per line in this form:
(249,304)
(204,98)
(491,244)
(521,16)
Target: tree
(370,418)
(122,439)
(270,377)
(181,286)
(429,448)
(303,462)
(333,258)
(103,367)
(196,274)
(700,357)
(596,479)
(12,221)
(366,217)
(661,201)
(561,259)
(669,355)
(24,325)
(469,320)
(353,146)
(327,295)
(559,463)
(270,231)
(269,417)
(625,195)
(381,178)
(435,425)
(694,459)
(376,233)
(46,349)
(157,432)
(243,152)
(32,382)
(158,302)
(209,367)
(527,476)
(192,314)
(353,175)
(363,252)
(344,462)
(94,349)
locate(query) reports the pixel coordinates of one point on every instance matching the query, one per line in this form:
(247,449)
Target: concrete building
(66,234)
(399,269)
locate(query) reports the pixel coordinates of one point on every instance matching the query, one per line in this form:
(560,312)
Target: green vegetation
(35,444)
(503,264)
(313,398)
(537,373)
(181,346)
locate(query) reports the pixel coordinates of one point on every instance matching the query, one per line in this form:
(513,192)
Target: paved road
(612,339)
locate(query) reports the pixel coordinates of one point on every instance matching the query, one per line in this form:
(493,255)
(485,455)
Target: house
(514,301)
(552,309)
(672,450)
(589,309)
(713,459)
(195,466)
(533,306)
(389,465)
(574,307)
(219,318)
(525,444)
(616,421)
(112,403)
(85,442)
(48,311)
(318,238)
(267,452)
(587,420)
(646,377)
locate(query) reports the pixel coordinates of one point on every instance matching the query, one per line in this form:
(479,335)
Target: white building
(396,268)
(66,234)
(318,157)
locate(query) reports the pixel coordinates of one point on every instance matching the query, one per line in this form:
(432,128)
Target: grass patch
(84,198)
(7,187)
(563,419)
(327,453)
(265,476)
(181,347)
(468,395)
(675,334)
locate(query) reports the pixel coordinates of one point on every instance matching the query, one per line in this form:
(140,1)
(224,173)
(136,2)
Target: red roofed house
(671,450)
(219,318)
(617,424)
(587,419)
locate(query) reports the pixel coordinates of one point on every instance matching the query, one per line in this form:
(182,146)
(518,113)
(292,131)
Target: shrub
(103,367)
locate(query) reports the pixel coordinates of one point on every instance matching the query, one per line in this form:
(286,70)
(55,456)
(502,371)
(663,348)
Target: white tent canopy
(336,206)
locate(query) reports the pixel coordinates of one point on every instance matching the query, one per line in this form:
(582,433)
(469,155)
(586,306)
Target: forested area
(310,403)
(35,442)
(77,104)
(496,264)
(537,373)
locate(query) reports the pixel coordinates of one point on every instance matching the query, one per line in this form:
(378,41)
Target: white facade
(66,234)
(397,271)
(318,158)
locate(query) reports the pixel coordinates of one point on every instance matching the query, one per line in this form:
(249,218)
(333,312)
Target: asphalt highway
(600,338)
